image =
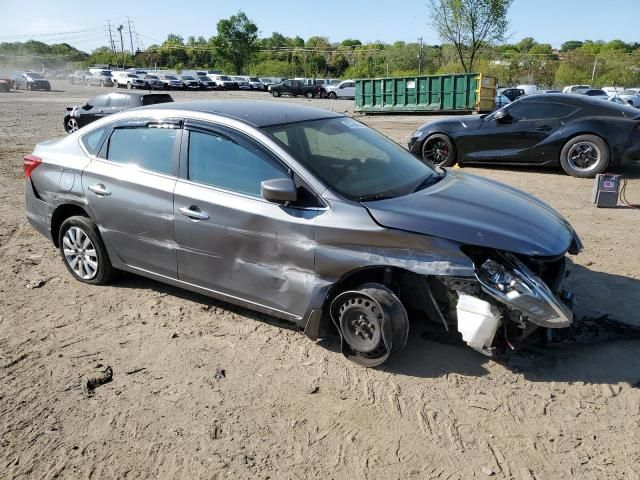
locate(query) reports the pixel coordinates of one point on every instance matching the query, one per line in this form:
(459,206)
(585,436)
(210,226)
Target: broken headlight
(509,281)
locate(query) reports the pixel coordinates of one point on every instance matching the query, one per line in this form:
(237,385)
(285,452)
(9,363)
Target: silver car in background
(304,214)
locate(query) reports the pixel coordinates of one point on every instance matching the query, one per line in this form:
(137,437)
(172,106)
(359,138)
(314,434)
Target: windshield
(353,159)
(224,77)
(629,92)
(34,75)
(152,77)
(254,79)
(170,77)
(131,75)
(187,77)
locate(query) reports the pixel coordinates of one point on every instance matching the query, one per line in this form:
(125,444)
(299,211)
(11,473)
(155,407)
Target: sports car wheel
(372,323)
(439,150)
(72,125)
(83,251)
(585,156)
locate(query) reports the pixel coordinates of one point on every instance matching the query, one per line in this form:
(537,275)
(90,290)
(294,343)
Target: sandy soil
(202,389)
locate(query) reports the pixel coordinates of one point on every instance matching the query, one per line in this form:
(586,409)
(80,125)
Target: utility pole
(130,36)
(113,45)
(121,44)
(420,58)
(593,73)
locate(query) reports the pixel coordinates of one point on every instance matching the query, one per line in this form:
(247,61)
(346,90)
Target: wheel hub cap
(80,253)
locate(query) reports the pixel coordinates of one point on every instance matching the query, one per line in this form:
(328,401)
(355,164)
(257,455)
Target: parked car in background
(613,90)
(268,82)
(100,79)
(5,82)
(529,89)
(344,89)
(341,228)
(79,76)
(631,96)
(501,101)
(550,91)
(596,92)
(206,83)
(189,82)
(576,88)
(153,82)
(224,82)
(30,81)
(581,134)
(511,93)
(171,82)
(128,80)
(255,83)
(294,88)
(243,83)
(108,104)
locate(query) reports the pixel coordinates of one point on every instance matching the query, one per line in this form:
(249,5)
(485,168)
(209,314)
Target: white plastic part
(478,321)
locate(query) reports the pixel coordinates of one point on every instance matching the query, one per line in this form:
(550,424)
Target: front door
(129,189)
(521,139)
(232,241)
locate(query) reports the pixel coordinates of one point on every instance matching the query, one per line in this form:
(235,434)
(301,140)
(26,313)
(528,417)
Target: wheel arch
(613,156)
(60,214)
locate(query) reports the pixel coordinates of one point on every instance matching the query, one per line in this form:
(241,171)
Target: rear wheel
(585,156)
(372,322)
(309,95)
(439,150)
(83,251)
(276,93)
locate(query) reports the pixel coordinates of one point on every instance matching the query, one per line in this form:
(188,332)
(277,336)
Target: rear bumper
(39,212)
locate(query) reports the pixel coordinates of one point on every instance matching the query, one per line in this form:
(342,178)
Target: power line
(32,35)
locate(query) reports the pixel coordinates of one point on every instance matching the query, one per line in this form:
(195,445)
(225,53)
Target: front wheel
(372,322)
(332,95)
(309,95)
(71,125)
(585,156)
(275,93)
(439,150)
(83,251)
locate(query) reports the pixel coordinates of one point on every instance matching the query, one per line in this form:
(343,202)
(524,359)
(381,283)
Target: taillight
(31,162)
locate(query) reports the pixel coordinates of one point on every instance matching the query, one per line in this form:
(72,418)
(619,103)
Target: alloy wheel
(80,253)
(436,150)
(584,156)
(72,125)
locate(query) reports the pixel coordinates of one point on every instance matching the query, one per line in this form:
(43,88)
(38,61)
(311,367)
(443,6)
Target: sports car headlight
(509,281)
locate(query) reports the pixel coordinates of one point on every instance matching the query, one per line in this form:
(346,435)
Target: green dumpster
(460,93)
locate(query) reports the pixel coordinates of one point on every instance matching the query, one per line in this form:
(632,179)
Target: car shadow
(629,170)
(595,352)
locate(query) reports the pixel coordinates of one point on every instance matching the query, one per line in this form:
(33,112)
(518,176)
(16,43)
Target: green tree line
(238,49)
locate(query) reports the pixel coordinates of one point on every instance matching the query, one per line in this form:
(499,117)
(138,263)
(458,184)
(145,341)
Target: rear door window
(92,141)
(148,148)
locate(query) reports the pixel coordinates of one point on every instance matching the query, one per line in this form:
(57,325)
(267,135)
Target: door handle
(194,213)
(544,128)
(100,190)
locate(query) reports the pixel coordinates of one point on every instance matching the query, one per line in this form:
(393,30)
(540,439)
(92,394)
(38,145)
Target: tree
(237,40)
(470,24)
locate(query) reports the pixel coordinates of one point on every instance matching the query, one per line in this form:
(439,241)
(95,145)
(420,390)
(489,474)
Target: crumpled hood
(478,211)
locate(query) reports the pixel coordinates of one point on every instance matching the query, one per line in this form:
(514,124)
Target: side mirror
(279,190)
(86,106)
(502,116)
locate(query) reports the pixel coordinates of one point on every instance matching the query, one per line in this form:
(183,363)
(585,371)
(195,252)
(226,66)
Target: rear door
(347,90)
(232,241)
(129,188)
(521,140)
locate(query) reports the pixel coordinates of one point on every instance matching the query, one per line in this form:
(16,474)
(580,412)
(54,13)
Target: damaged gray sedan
(306,215)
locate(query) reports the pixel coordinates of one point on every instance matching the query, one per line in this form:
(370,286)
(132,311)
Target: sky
(548,21)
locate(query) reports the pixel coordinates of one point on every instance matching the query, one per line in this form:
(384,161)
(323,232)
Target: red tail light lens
(31,162)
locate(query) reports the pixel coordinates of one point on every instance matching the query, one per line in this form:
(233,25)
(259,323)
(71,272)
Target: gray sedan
(306,215)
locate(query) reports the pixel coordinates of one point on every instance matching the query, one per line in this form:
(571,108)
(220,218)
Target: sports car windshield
(353,159)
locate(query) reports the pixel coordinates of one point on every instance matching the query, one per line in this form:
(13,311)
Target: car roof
(256,113)
(582,101)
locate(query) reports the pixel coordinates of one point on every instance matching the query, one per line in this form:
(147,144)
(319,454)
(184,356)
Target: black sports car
(108,104)
(584,135)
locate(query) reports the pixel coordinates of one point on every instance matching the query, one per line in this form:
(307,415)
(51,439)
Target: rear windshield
(156,98)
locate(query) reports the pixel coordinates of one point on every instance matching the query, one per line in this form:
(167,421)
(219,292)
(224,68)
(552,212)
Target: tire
(585,156)
(80,234)
(275,93)
(71,125)
(332,95)
(372,322)
(129,86)
(29,86)
(309,95)
(438,149)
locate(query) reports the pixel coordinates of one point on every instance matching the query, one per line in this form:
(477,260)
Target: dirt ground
(202,389)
